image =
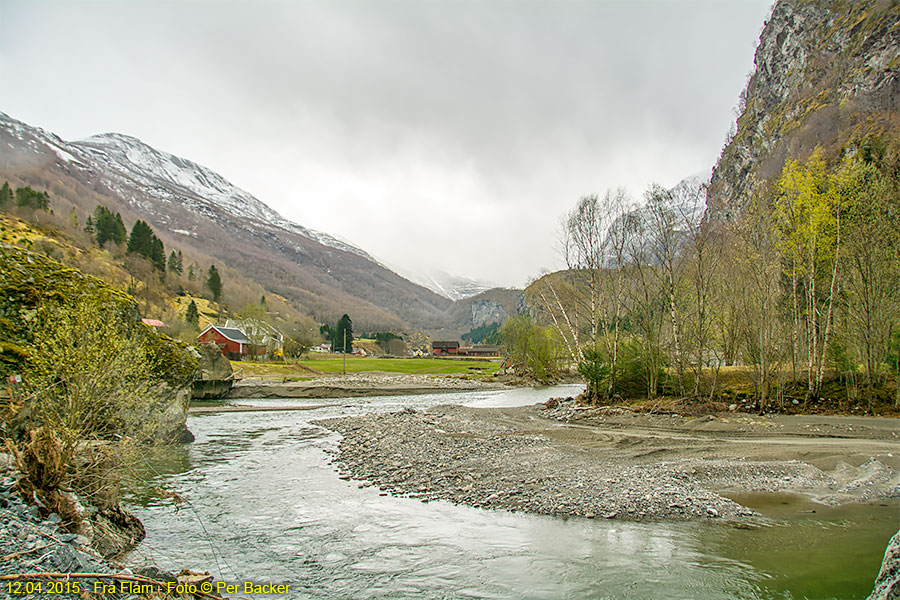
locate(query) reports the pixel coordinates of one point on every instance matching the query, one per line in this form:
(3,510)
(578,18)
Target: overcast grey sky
(431,133)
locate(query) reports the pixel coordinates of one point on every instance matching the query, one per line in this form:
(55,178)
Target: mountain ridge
(192,206)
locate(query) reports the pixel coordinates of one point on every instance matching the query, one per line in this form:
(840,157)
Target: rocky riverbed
(356,385)
(564,462)
(39,559)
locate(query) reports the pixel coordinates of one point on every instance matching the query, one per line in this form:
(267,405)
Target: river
(264,504)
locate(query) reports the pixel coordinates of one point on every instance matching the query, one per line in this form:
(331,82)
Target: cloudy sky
(448,134)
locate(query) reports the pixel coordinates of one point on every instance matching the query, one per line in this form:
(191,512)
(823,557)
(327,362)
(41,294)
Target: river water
(264,505)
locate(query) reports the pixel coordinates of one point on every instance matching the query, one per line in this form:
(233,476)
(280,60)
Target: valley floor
(613,463)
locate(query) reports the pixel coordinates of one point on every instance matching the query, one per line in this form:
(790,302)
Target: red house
(233,343)
(444,348)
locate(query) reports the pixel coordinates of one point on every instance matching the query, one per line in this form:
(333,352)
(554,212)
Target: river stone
(887,585)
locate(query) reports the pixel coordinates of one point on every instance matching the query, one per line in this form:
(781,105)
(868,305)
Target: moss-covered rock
(32,285)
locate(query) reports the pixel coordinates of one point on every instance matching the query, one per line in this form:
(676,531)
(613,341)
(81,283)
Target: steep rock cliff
(828,75)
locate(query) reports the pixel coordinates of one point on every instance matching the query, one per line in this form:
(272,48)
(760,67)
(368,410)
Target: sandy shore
(617,464)
(356,385)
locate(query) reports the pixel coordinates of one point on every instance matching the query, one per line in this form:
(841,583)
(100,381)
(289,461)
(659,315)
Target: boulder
(887,585)
(213,364)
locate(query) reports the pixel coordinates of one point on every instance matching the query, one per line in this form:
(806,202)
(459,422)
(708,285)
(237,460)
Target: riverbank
(39,559)
(613,463)
(356,385)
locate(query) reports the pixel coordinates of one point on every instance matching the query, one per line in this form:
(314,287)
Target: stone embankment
(653,468)
(356,385)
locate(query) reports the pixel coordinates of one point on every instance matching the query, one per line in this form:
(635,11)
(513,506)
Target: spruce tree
(6,195)
(108,227)
(119,230)
(174,264)
(192,316)
(214,282)
(158,254)
(33,199)
(343,331)
(141,239)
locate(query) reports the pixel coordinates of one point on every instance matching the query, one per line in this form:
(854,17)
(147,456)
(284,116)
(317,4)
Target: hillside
(194,209)
(827,74)
(490,306)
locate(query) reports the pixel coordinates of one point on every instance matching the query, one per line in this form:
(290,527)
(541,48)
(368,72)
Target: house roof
(445,344)
(235,335)
(154,322)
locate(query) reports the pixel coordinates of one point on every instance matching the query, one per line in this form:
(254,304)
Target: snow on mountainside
(197,210)
(689,195)
(448,285)
(127,162)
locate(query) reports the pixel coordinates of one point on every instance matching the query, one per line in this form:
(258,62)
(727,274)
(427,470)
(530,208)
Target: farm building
(233,343)
(264,338)
(444,348)
(480,350)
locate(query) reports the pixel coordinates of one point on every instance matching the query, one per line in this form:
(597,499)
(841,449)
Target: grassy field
(334,364)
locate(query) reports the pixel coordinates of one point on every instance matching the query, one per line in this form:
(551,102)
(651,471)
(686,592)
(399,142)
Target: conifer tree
(6,195)
(175,263)
(192,316)
(140,241)
(344,330)
(30,198)
(108,227)
(158,254)
(214,282)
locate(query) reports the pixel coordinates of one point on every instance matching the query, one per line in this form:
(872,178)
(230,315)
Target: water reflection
(265,504)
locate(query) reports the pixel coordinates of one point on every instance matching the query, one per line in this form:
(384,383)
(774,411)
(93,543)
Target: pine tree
(192,316)
(89,226)
(191,274)
(343,331)
(214,282)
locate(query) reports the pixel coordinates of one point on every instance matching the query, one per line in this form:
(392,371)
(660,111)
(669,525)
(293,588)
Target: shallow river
(264,505)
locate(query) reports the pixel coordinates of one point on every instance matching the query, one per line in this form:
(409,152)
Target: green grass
(355,364)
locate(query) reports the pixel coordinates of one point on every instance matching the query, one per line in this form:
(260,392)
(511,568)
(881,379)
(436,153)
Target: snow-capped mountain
(125,162)
(446,284)
(191,206)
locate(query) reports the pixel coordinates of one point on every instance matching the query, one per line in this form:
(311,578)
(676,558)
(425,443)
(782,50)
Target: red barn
(233,343)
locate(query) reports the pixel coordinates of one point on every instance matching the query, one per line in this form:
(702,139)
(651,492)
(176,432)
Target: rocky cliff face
(827,75)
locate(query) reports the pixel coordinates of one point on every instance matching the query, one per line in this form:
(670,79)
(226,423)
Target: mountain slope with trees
(784,296)
(195,210)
